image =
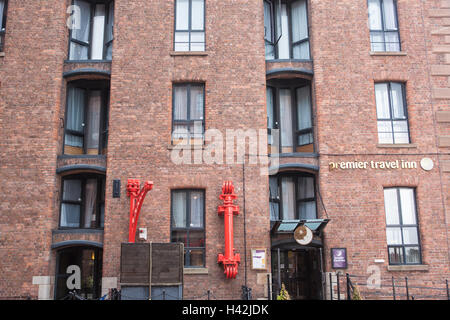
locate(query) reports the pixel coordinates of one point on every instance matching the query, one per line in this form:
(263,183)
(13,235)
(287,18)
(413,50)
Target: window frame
(403,246)
(187,229)
(3,27)
(100,199)
(384,30)
(279,199)
(296,133)
(189,122)
(108,5)
(189,30)
(274,12)
(89,85)
(391,118)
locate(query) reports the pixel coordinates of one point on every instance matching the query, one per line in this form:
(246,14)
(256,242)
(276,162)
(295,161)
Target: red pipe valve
(137,197)
(230,260)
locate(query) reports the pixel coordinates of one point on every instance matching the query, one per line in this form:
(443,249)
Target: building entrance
(300,272)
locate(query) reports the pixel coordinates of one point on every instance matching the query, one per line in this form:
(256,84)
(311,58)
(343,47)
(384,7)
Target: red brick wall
(32,101)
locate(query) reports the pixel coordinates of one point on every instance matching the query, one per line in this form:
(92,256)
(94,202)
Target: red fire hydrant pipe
(137,197)
(230,260)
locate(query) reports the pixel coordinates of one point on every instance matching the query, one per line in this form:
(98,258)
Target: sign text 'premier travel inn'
(426,164)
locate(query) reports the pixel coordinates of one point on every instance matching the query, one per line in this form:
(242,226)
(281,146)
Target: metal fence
(359,287)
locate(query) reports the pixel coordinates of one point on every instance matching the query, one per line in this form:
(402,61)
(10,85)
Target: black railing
(357,287)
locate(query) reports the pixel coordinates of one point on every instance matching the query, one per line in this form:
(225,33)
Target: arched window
(292,197)
(78,269)
(82,201)
(289,110)
(86,125)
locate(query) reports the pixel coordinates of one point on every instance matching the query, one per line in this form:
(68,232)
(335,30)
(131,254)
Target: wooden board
(135,263)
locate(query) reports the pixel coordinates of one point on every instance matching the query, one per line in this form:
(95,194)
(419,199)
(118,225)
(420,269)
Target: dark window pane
(197,257)
(303,108)
(102,216)
(412,255)
(305,188)
(89,262)
(270,109)
(268,21)
(274,211)
(70,215)
(75,109)
(396,255)
(2,12)
(196,239)
(179,236)
(72,190)
(307,210)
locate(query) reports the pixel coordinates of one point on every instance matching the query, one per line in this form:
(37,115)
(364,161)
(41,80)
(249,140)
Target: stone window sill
(187,146)
(2,54)
(410,145)
(195,271)
(188,53)
(418,267)
(387,53)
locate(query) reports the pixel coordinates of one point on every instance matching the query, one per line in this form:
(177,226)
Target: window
(91,35)
(86,126)
(392,113)
(3,10)
(187,225)
(292,197)
(188,111)
(383,23)
(401,226)
(89,262)
(289,110)
(286,29)
(189,25)
(82,201)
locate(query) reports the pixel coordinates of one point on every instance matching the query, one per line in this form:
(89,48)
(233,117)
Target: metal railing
(351,287)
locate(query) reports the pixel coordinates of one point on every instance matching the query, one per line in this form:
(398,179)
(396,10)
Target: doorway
(300,272)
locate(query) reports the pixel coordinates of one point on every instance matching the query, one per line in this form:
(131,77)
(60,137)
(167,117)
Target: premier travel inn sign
(426,164)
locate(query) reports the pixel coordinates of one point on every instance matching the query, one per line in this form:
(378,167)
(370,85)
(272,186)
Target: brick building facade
(353,95)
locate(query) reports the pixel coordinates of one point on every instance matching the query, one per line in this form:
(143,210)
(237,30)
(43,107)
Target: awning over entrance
(288,226)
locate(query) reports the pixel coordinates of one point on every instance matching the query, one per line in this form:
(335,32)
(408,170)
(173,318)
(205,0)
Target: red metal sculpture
(137,197)
(230,260)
